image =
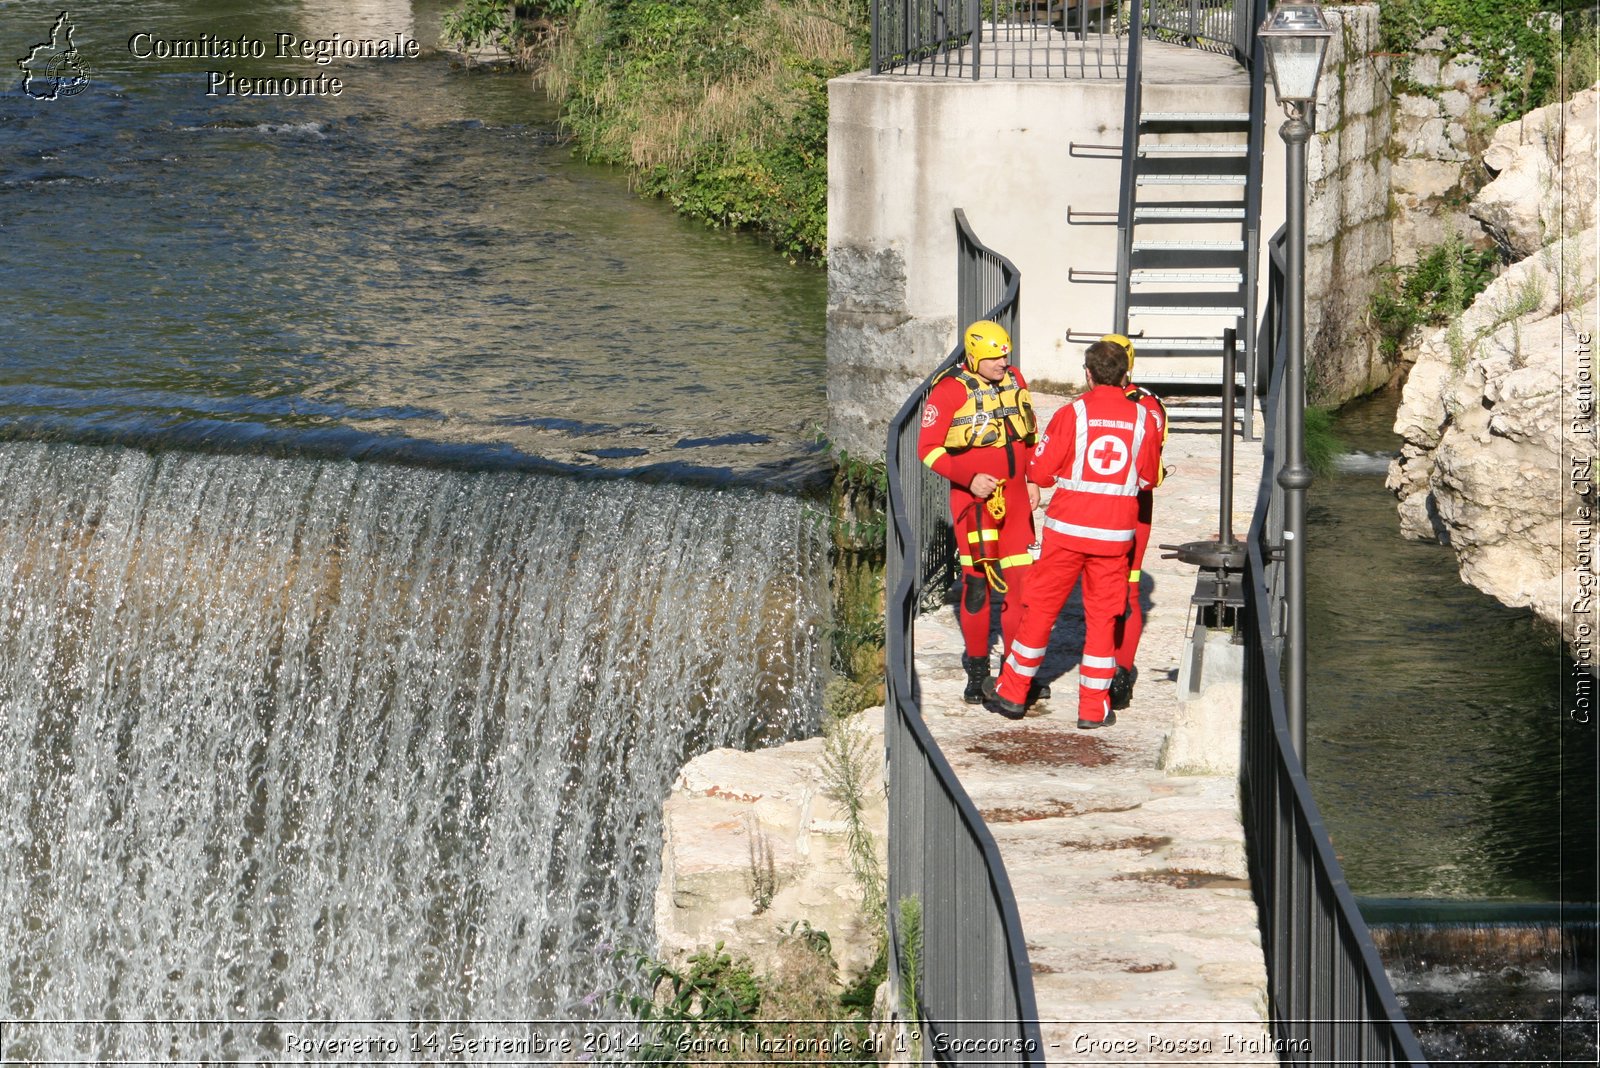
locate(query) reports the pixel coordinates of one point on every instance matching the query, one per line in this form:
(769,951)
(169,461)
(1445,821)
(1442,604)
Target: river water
(408,270)
(1453,783)
(389,505)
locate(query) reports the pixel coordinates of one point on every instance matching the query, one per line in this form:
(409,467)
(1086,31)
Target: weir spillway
(288,739)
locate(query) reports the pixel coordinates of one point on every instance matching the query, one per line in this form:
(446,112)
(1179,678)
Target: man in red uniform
(1130,624)
(1099,451)
(978,431)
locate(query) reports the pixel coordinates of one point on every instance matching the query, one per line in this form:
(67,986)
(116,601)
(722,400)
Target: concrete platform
(1131,881)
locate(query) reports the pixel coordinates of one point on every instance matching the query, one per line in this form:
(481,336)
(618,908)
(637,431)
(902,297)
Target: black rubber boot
(977,672)
(1122,687)
(995,703)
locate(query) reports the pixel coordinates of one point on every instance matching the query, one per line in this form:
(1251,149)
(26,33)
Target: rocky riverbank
(1498,410)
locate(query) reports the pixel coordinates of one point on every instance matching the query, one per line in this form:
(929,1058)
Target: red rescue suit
(1098,452)
(1130,625)
(979,536)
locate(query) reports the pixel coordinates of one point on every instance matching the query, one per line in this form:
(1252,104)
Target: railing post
(1132,104)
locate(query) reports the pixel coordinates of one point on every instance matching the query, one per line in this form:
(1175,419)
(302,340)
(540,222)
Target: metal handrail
(964,38)
(1208,25)
(973,987)
(1330,998)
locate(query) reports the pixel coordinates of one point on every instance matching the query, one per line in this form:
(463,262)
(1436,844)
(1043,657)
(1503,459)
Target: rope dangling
(996,507)
(997,501)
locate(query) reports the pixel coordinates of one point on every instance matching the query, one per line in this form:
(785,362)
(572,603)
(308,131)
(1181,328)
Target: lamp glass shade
(1295,38)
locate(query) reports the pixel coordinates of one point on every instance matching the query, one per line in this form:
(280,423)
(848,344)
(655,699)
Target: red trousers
(1130,625)
(1004,542)
(1105,584)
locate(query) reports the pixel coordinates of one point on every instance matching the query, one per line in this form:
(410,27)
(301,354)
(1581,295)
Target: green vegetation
(911,967)
(1432,292)
(1530,52)
(717,1009)
(1321,443)
(718,105)
(521,30)
(858,517)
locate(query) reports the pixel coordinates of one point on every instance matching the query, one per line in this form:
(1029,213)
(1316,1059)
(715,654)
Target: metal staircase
(1187,248)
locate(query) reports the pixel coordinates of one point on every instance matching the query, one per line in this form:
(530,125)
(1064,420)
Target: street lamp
(1295,38)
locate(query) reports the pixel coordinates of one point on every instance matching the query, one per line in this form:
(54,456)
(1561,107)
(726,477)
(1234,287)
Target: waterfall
(285,740)
(1491,982)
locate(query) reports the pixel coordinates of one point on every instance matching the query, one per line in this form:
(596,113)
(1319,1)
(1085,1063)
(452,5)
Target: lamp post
(1295,38)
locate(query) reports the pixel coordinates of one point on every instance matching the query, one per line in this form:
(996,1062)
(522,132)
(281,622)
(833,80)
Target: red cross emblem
(1108,455)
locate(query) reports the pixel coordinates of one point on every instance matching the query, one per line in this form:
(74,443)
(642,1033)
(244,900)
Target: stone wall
(1442,121)
(1348,237)
(756,843)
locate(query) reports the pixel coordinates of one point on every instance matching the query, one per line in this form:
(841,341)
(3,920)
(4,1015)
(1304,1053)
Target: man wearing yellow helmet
(978,431)
(1130,624)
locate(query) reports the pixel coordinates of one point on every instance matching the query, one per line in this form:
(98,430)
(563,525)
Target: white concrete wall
(905,152)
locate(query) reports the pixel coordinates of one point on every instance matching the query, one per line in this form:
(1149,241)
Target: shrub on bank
(718,105)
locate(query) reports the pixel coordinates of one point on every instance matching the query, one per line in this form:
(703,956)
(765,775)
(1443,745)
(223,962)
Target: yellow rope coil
(997,501)
(996,504)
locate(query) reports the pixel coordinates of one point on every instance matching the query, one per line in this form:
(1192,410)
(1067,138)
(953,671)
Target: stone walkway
(1131,881)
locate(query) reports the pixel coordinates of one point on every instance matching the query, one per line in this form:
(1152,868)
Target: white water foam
(287,741)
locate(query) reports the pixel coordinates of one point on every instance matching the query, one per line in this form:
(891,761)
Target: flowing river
(1458,792)
(389,504)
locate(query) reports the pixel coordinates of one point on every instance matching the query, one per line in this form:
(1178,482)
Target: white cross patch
(1107,455)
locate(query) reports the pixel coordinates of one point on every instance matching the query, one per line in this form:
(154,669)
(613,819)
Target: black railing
(1210,25)
(997,38)
(957,955)
(1330,1000)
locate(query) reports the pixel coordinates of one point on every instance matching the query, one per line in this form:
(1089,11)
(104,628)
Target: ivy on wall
(1529,52)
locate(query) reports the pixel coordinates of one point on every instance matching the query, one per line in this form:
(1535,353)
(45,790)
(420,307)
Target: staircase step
(1209,120)
(1188,178)
(1197,277)
(1189,211)
(1162,347)
(1225,302)
(1197,168)
(1155,377)
(1171,149)
(1184,246)
(1215,257)
(1213,412)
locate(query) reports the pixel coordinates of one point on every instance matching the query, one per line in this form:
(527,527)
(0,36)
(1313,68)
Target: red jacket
(1098,452)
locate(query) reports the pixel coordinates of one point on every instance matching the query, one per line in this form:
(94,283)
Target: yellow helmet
(986,340)
(1118,339)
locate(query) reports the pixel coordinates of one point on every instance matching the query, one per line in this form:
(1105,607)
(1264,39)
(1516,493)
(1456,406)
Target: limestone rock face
(1487,416)
(1544,187)
(763,829)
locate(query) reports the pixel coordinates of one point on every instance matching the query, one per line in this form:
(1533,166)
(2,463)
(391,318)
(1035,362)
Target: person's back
(1099,452)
